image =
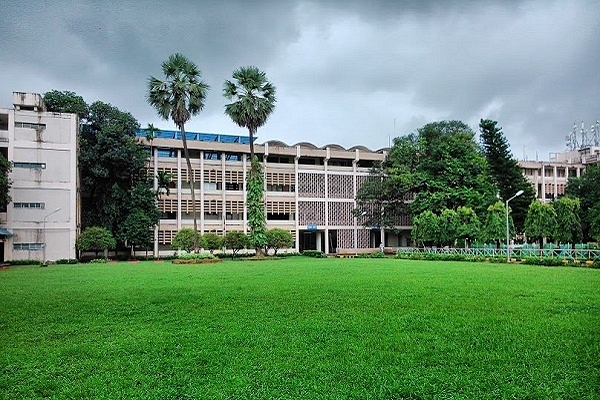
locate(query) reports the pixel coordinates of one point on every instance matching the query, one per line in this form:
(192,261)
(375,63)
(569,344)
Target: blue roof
(203,137)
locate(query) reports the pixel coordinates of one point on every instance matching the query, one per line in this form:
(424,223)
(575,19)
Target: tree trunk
(251,131)
(191,178)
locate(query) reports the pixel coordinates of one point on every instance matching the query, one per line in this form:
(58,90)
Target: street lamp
(520,192)
(45,218)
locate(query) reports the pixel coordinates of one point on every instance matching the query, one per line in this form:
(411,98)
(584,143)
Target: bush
(98,261)
(313,253)
(24,262)
(67,261)
(184,239)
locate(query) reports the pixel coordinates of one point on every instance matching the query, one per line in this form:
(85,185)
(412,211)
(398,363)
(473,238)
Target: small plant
(98,261)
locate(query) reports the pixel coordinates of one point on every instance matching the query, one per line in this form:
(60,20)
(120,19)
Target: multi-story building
(309,191)
(41,221)
(549,178)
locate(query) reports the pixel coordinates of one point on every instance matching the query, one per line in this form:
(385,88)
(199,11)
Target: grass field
(300,328)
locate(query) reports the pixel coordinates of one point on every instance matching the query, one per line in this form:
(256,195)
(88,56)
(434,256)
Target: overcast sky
(346,72)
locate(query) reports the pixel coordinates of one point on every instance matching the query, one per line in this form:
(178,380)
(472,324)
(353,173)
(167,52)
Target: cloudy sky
(347,72)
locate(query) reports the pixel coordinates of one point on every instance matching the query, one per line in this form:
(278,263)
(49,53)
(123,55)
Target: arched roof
(276,143)
(334,146)
(361,148)
(306,144)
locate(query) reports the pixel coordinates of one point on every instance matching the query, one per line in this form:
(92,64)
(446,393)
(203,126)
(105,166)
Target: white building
(42,220)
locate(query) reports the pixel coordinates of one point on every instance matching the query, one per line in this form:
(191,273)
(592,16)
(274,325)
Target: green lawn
(300,328)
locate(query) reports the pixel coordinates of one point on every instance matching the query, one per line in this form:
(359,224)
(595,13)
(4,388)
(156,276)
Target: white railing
(517,253)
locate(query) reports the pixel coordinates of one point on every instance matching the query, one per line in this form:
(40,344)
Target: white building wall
(43,149)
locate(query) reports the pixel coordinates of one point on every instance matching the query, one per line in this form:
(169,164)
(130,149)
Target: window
(30,165)
(232,186)
(29,125)
(40,206)
(167,153)
(28,246)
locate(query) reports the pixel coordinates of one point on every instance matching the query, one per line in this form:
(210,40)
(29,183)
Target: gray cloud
(350,72)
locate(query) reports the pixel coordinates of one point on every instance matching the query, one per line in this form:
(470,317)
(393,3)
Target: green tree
(111,165)
(212,242)
(448,223)
(235,241)
(278,238)
(383,199)
(96,239)
(494,227)
(541,221)
(426,229)
(252,99)
(587,189)
(451,171)
(469,225)
(178,97)
(5,182)
(186,239)
(505,171)
(256,213)
(568,223)
(66,102)
(136,230)
(594,222)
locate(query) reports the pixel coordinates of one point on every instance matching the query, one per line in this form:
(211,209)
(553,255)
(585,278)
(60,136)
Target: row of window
(28,246)
(30,205)
(29,125)
(29,165)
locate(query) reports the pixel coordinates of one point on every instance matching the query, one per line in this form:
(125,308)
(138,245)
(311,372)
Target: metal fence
(517,253)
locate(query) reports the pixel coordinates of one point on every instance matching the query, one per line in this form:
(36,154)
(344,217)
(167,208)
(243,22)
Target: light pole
(45,218)
(520,192)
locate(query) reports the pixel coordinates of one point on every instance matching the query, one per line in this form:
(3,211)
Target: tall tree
(252,99)
(383,200)
(66,102)
(587,189)
(178,97)
(115,187)
(568,223)
(505,171)
(541,221)
(451,171)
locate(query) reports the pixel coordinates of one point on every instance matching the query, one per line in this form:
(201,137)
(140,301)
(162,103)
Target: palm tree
(253,100)
(179,96)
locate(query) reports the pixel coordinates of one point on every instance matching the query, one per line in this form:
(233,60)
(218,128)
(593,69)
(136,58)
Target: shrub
(24,262)
(98,261)
(313,253)
(96,239)
(67,261)
(211,242)
(235,241)
(278,238)
(184,239)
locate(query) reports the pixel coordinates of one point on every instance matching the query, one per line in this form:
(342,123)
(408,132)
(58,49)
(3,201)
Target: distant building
(42,219)
(309,191)
(549,178)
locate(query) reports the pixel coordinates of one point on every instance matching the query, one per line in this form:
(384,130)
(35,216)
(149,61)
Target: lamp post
(45,218)
(520,192)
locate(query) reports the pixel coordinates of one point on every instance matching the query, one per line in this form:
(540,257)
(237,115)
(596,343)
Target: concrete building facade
(42,220)
(309,191)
